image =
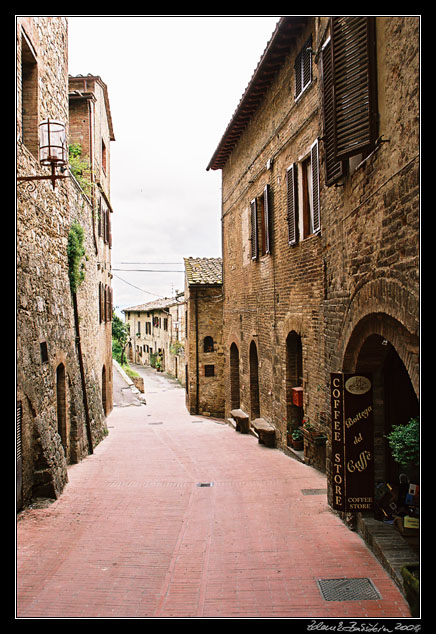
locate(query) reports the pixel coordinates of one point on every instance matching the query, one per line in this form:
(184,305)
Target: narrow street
(179,516)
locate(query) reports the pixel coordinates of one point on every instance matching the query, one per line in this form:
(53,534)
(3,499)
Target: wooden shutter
(316,211)
(354,85)
(334,169)
(267,217)
(254,232)
(100,301)
(291,184)
(303,68)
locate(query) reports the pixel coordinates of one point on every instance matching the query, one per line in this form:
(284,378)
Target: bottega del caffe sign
(352,442)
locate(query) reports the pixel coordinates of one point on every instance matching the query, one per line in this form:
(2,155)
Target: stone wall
(50,391)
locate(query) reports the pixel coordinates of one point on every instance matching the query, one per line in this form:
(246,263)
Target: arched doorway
(104,390)
(294,378)
(381,345)
(61,405)
(235,399)
(254,382)
(394,399)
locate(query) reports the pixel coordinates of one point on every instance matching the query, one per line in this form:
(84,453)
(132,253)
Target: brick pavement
(134,535)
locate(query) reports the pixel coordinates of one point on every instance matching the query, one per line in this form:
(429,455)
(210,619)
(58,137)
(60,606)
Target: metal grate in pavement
(156,423)
(348,589)
(205,484)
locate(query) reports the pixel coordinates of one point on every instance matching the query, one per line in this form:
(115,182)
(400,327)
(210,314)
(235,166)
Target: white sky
(174,83)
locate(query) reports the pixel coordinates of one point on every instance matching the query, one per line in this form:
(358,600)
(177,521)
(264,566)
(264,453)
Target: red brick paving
(133,535)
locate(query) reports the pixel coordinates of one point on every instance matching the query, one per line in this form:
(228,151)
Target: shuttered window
(334,170)
(316,211)
(354,85)
(267,214)
(291,192)
(303,68)
(254,231)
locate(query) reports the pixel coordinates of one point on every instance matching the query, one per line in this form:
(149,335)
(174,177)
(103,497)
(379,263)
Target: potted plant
(410,574)
(404,444)
(297,439)
(289,434)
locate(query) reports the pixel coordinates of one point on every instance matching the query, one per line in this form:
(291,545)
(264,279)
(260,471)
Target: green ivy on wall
(76,253)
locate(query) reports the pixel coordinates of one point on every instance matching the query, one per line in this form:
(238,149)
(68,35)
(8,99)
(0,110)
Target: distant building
(64,359)
(204,356)
(157,335)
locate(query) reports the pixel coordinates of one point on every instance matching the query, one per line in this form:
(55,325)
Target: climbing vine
(76,253)
(79,167)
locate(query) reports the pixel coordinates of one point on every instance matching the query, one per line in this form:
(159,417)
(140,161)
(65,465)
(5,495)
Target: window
(44,351)
(303,68)
(208,344)
(303,204)
(260,219)
(103,156)
(209,370)
(254,230)
(29,96)
(354,92)
(138,330)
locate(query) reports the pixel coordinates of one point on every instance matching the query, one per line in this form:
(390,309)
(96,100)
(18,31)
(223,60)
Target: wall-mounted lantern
(53,150)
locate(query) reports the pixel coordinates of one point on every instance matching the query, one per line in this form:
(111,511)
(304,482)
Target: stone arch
(386,308)
(235,393)
(254,381)
(61,406)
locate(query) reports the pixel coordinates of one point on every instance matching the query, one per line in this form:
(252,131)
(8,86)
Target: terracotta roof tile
(204,270)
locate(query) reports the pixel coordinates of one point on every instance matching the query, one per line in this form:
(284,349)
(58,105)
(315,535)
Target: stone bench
(266,432)
(242,420)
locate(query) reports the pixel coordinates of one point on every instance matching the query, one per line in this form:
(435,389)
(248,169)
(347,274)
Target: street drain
(313,491)
(205,484)
(348,589)
(155,423)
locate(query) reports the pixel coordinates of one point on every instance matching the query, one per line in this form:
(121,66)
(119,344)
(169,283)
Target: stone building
(64,361)
(204,357)
(157,335)
(320,212)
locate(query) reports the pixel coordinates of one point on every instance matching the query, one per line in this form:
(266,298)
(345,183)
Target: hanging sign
(352,442)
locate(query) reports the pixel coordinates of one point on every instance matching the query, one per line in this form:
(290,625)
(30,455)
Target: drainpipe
(82,375)
(196,352)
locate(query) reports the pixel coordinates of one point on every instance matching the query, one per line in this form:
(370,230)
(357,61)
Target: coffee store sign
(352,442)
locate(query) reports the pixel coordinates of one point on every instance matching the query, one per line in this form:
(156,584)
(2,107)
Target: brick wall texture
(355,279)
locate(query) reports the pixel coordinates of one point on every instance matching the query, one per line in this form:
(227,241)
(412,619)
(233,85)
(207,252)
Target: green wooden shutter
(354,85)
(291,185)
(334,170)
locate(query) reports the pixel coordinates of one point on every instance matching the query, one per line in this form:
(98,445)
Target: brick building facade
(320,214)
(64,361)
(204,355)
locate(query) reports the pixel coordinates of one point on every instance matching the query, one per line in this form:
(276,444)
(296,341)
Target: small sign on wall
(352,442)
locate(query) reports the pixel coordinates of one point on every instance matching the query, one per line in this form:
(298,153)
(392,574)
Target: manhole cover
(205,484)
(313,491)
(348,589)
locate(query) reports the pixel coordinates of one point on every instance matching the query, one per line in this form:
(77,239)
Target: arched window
(208,344)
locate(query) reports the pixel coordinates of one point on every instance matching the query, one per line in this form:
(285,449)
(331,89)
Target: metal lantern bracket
(52,151)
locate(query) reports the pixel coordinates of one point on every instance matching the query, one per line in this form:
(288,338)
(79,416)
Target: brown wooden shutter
(303,68)
(100,301)
(267,217)
(334,169)
(354,85)
(316,210)
(291,184)
(100,221)
(254,232)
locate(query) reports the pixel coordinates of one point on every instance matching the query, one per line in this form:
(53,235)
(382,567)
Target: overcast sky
(174,83)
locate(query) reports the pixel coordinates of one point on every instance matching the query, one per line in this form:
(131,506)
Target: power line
(137,287)
(149,270)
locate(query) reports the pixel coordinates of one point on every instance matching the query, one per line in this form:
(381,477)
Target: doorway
(254,382)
